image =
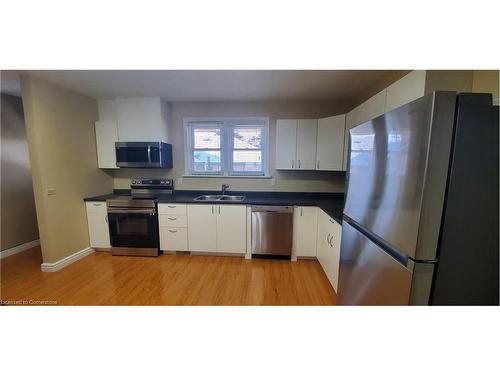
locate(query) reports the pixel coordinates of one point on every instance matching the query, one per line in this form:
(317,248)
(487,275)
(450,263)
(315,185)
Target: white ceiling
(211,85)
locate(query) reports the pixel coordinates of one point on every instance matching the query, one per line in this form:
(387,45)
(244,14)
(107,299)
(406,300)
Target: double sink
(218,198)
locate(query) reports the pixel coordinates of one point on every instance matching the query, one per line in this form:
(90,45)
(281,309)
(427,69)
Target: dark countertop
(331,203)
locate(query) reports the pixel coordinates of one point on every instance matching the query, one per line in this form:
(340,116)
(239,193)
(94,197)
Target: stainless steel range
(133,219)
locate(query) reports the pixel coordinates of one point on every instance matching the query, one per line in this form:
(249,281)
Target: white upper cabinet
(306,144)
(286,144)
(330,143)
(305,231)
(231,228)
(106,134)
(296,144)
(373,107)
(141,119)
(405,90)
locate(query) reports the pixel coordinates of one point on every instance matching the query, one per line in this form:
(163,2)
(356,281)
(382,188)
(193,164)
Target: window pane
(247,161)
(206,138)
(247,137)
(206,161)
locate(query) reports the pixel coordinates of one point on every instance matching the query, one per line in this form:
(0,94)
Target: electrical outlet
(273,181)
(179,181)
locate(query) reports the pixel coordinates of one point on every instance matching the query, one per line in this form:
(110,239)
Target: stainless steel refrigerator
(420,222)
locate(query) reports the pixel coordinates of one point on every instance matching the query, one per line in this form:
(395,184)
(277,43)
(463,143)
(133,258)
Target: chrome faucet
(224,188)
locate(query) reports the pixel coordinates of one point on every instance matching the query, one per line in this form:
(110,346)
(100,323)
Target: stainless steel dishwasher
(272,231)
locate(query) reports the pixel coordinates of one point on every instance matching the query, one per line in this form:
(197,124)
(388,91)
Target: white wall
(284,180)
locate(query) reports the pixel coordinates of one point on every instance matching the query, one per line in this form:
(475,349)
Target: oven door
(138,154)
(133,227)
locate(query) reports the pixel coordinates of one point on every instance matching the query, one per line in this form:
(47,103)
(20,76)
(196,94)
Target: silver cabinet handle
(330,242)
(172,218)
(318,165)
(299,163)
(331,221)
(328,238)
(219,210)
(292,163)
(106,218)
(212,210)
(171,206)
(301,210)
(172,231)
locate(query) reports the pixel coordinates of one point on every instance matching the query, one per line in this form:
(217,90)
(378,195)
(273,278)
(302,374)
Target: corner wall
(18,213)
(61,138)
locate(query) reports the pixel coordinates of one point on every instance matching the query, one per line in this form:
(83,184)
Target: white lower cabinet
(202,227)
(328,247)
(231,229)
(217,228)
(305,229)
(97,219)
(173,239)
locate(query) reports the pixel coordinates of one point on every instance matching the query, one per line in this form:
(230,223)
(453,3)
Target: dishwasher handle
(277,209)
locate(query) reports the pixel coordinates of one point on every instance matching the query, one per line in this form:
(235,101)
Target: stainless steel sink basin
(208,198)
(232,198)
(215,198)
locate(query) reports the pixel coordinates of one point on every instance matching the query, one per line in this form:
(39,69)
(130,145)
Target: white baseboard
(53,267)
(19,248)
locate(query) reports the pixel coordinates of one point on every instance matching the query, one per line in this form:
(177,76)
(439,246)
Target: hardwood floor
(101,279)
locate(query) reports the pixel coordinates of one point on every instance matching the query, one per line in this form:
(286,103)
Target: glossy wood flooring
(101,279)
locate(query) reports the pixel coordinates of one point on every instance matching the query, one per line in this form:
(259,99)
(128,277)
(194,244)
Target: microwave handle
(149,154)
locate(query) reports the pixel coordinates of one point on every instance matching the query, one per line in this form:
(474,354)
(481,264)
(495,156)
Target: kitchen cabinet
(217,228)
(330,143)
(202,227)
(97,220)
(286,144)
(296,144)
(172,220)
(328,247)
(306,144)
(305,229)
(231,228)
(141,119)
(106,134)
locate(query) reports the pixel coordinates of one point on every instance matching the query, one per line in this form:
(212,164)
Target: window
(226,147)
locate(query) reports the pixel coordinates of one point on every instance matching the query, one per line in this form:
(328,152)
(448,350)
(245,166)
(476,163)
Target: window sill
(222,176)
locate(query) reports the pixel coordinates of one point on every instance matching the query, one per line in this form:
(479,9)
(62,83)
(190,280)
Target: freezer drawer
(369,275)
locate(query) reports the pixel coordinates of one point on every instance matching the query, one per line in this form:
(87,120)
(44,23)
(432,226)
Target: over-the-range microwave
(143,155)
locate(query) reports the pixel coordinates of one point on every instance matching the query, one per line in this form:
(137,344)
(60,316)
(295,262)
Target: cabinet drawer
(174,239)
(172,209)
(173,221)
(97,207)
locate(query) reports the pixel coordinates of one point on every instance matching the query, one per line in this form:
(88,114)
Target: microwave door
(137,154)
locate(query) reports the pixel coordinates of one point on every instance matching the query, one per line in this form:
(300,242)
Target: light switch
(51,191)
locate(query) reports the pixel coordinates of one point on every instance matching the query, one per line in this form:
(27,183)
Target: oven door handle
(150,211)
(149,154)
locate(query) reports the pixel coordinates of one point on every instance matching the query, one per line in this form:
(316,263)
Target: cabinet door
(307,132)
(231,229)
(106,134)
(286,144)
(202,226)
(332,253)
(305,231)
(173,239)
(321,240)
(141,119)
(330,143)
(98,229)
(405,90)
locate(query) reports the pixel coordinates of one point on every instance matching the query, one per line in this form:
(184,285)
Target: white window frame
(227,125)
